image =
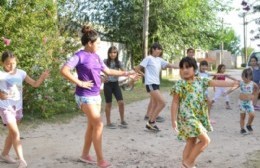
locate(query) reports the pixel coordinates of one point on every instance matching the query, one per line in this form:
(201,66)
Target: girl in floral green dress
(190,112)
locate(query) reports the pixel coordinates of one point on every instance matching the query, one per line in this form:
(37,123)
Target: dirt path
(59,145)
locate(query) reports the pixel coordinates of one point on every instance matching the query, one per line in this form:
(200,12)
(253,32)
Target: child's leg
(108,112)
(15,135)
(87,141)
(149,108)
(242,120)
(121,107)
(160,104)
(251,117)
(93,113)
(8,144)
(199,147)
(190,143)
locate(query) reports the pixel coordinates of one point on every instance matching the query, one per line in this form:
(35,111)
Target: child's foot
(111,126)
(184,165)
(228,107)
(151,126)
(249,128)
(22,164)
(87,160)
(104,164)
(212,121)
(243,131)
(123,124)
(7,159)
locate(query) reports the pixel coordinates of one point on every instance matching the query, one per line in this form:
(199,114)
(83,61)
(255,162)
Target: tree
(176,24)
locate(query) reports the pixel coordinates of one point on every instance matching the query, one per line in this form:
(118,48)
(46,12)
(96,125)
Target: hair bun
(86,28)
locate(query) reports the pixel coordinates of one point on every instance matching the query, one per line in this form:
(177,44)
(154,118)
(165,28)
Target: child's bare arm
(221,83)
(231,90)
(139,69)
(229,77)
(172,66)
(174,111)
(37,83)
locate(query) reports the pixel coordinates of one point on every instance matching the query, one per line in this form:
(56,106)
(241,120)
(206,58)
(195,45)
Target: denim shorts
(87,100)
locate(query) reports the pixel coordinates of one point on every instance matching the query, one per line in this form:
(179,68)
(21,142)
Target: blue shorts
(87,100)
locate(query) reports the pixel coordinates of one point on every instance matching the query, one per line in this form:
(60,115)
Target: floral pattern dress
(192,117)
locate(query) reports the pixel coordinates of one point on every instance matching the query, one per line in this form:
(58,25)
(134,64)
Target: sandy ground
(59,145)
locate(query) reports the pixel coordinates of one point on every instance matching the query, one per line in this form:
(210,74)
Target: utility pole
(222,43)
(245,38)
(145,27)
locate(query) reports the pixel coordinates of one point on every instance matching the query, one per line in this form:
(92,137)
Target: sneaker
(87,160)
(123,124)
(256,107)
(111,126)
(8,159)
(158,119)
(104,164)
(249,128)
(152,126)
(243,131)
(22,164)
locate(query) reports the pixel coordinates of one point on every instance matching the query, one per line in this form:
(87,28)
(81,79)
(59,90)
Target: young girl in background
(111,86)
(190,111)
(89,66)
(204,74)
(256,78)
(11,104)
(220,91)
(153,65)
(247,87)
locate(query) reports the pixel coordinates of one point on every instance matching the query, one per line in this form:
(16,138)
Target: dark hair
(204,63)
(254,58)
(220,66)
(188,62)
(89,35)
(247,73)
(7,54)
(117,62)
(190,49)
(154,46)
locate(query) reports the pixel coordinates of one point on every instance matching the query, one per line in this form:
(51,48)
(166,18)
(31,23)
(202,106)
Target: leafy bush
(35,40)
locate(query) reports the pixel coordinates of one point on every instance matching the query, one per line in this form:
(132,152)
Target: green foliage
(175,24)
(32,27)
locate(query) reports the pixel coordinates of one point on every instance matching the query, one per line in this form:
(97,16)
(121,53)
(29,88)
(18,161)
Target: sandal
(87,160)
(104,164)
(22,164)
(8,159)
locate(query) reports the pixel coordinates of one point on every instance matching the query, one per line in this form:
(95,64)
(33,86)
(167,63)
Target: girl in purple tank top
(88,66)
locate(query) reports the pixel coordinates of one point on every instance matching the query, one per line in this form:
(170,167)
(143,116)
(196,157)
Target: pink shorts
(10,115)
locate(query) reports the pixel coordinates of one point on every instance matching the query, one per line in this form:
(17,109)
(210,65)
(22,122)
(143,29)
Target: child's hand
(87,84)
(45,74)
(3,95)
(174,126)
(135,76)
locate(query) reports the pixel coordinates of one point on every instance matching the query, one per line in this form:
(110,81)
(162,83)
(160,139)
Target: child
(11,104)
(247,86)
(111,86)
(256,78)
(203,74)
(153,65)
(220,91)
(190,112)
(89,66)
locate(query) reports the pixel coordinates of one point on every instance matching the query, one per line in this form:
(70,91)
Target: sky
(232,19)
